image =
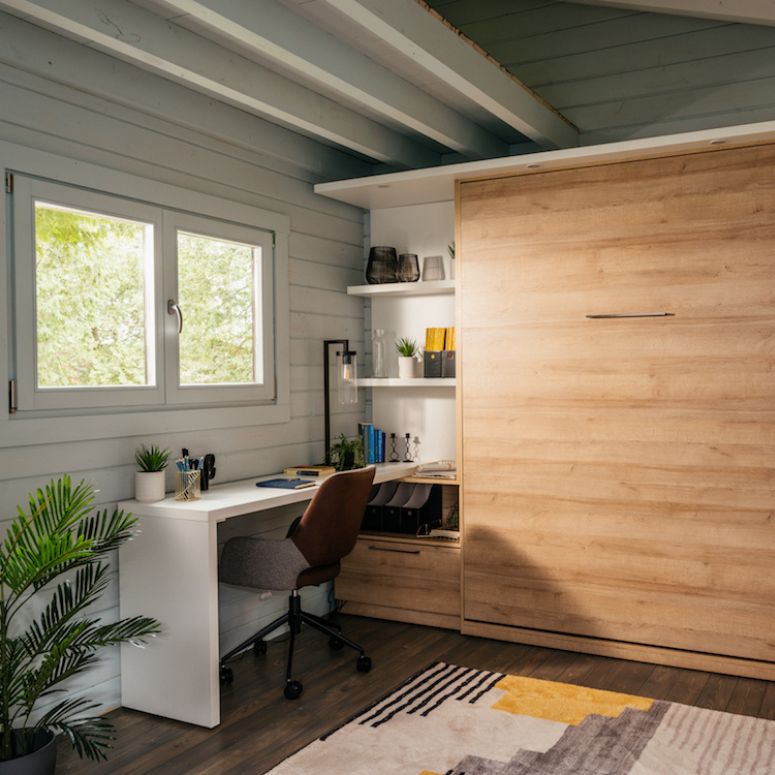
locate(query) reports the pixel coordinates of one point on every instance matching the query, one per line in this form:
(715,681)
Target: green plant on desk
(346,454)
(47,635)
(153,459)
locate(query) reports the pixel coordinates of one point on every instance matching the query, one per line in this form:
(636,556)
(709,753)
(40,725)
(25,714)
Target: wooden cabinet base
(426,618)
(747,668)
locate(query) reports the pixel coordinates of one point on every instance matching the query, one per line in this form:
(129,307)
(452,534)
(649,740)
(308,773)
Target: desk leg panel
(170,572)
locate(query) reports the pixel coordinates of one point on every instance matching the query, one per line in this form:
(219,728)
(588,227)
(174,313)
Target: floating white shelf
(427,288)
(417,382)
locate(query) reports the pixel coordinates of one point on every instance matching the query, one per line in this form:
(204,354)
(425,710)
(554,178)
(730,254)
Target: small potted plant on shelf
(407,357)
(149,480)
(49,635)
(346,454)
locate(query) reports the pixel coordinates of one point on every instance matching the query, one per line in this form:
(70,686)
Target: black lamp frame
(327,383)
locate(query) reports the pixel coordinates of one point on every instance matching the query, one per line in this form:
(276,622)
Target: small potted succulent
(407,357)
(149,480)
(53,569)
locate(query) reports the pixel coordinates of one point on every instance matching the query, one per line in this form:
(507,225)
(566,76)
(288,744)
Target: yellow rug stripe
(562,702)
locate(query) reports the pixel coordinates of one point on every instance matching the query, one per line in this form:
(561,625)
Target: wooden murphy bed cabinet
(618,492)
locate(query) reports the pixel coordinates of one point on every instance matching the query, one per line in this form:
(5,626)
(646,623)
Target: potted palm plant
(47,634)
(149,480)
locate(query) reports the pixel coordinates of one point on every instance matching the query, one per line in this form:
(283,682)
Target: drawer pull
(399,551)
(633,315)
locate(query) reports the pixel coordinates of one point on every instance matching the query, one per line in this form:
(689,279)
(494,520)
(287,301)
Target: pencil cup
(187,485)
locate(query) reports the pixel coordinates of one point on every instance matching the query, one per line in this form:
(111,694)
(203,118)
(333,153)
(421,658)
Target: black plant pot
(349,461)
(42,760)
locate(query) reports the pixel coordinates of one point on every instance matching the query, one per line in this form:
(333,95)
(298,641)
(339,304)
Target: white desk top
(233,499)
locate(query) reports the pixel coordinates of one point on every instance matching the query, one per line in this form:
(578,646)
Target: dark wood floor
(260,727)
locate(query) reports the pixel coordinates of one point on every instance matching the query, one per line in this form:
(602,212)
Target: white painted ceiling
(385,80)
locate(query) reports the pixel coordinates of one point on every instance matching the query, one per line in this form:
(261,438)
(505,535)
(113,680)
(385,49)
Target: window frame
(27,192)
(173,222)
(105,422)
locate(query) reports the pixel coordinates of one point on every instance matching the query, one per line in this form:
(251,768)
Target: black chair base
(294,619)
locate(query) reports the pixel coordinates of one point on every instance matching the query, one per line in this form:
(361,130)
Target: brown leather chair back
(329,527)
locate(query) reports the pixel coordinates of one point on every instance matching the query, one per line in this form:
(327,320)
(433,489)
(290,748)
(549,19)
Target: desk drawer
(404,580)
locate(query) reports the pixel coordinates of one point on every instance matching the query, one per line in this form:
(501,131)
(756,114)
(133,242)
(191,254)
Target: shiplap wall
(60,97)
(621,74)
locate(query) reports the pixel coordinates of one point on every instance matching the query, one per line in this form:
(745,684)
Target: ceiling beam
(295,43)
(137,36)
(414,32)
(744,11)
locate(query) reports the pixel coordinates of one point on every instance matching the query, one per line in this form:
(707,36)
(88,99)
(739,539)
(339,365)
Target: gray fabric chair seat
(261,564)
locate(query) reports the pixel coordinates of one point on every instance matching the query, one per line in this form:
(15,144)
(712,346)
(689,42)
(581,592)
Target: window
(121,303)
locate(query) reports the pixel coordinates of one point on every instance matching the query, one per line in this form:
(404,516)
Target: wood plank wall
(620,74)
(61,97)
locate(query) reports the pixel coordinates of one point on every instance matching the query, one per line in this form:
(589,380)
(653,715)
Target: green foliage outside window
(91,327)
(216,281)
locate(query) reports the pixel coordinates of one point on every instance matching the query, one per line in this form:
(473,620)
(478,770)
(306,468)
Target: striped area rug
(452,720)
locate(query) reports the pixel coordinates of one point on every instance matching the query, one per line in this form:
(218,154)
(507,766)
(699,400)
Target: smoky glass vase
(383,266)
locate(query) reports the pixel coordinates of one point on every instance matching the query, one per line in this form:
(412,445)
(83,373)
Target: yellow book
(451,341)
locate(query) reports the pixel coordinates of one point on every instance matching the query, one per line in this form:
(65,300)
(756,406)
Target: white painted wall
(427,414)
(168,136)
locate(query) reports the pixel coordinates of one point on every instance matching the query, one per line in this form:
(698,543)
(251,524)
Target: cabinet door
(412,581)
(618,472)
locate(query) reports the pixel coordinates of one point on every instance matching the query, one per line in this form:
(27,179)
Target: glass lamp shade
(383,266)
(346,382)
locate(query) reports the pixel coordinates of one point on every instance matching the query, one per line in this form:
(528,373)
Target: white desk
(170,572)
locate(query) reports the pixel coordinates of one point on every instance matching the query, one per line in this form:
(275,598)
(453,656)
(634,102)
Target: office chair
(308,556)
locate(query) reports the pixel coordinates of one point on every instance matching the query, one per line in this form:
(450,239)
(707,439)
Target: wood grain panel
(618,476)
(404,575)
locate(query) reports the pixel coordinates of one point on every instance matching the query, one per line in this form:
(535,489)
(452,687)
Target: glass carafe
(378,353)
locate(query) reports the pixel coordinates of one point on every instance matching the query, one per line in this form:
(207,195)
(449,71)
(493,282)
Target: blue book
(379,445)
(286,484)
(366,432)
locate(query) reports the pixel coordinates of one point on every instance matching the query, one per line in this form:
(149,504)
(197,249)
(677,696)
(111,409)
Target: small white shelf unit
(417,382)
(420,288)
(422,407)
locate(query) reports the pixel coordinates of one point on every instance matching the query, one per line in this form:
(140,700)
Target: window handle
(174,309)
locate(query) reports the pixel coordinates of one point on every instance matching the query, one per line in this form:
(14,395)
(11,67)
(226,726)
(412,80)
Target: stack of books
(441,469)
(319,471)
(373,440)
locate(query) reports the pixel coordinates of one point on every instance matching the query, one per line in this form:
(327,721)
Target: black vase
(383,266)
(42,760)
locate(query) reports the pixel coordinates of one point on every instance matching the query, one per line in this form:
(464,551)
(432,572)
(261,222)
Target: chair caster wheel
(363,664)
(293,690)
(259,647)
(335,644)
(226,676)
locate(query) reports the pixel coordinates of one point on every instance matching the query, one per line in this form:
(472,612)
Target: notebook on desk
(286,484)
